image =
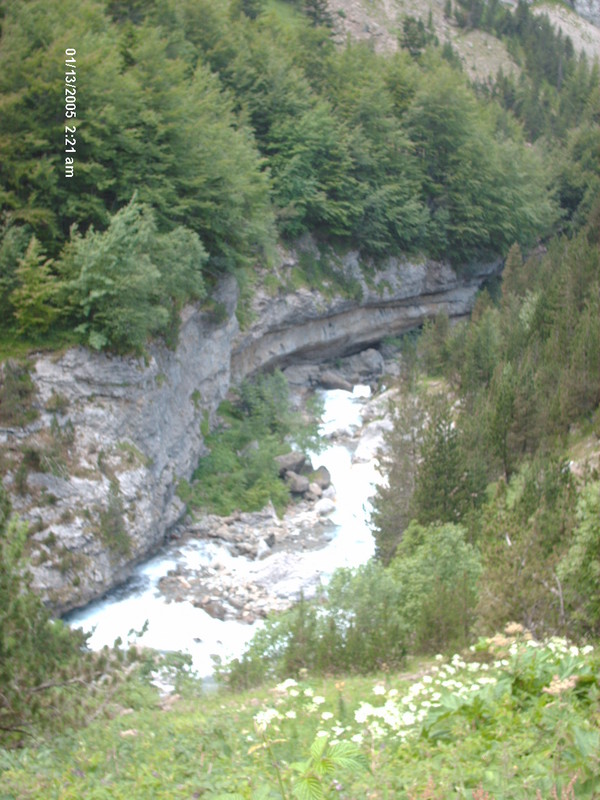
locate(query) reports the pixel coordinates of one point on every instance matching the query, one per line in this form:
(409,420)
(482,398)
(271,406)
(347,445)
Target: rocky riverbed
(255,561)
(218,575)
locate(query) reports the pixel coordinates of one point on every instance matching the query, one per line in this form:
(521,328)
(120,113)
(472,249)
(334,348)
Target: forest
(205,134)
(206,131)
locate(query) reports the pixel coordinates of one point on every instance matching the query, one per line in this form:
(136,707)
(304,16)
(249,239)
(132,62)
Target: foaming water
(180,626)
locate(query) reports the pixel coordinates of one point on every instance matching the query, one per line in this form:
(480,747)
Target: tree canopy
(241,122)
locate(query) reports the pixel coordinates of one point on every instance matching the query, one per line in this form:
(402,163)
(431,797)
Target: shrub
(580,567)
(240,473)
(437,571)
(17,392)
(358,627)
(40,658)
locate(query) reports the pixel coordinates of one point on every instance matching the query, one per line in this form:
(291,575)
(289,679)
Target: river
(181,626)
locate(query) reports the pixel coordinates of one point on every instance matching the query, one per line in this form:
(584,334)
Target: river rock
(333,380)
(212,607)
(322,477)
(324,506)
(372,441)
(298,484)
(292,462)
(263,550)
(315,489)
(365,365)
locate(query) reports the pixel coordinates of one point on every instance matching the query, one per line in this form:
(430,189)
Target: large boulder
(324,507)
(322,477)
(292,462)
(298,484)
(330,379)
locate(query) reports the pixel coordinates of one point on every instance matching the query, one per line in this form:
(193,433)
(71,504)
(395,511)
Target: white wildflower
(357,738)
(318,700)
(287,684)
(263,719)
(379,689)
(362,712)
(290,714)
(326,715)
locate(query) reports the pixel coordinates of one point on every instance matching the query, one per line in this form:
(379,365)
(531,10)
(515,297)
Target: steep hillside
(480,53)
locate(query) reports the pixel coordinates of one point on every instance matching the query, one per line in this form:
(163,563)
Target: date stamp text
(70,110)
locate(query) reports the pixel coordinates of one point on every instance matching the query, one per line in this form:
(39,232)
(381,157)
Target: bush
(358,627)
(580,568)
(437,571)
(129,281)
(240,473)
(40,658)
(17,392)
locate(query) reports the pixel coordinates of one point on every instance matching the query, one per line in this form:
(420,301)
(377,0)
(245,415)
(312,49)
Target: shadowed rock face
(588,9)
(305,326)
(136,423)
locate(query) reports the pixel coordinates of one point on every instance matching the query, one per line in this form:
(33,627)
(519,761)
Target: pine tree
(37,288)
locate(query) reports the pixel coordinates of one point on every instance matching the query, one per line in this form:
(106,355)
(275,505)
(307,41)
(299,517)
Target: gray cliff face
(588,9)
(306,326)
(135,430)
(100,496)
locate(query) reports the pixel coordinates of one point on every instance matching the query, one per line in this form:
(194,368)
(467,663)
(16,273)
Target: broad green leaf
(308,788)
(318,747)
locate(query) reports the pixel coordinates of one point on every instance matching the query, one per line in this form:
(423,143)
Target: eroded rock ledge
(115,434)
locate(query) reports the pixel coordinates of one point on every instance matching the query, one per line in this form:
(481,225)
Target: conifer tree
(36,291)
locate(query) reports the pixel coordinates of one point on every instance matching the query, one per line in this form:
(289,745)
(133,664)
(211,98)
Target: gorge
(114,434)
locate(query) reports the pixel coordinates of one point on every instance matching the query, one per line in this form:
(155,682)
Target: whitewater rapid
(169,626)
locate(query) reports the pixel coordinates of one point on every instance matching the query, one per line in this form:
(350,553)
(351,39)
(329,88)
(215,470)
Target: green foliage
(240,473)
(415,37)
(431,475)
(522,531)
(579,570)
(392,503)
(437,572)
(40,659)
(370,617)
(471,177)
(113,531)
(510,717)
(524,371)
(17,394)
(448,484)
(35,293)
(13,244)
(229,118)
(358,627)
(128,281)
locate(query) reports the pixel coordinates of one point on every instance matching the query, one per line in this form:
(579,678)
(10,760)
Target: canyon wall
(114,435)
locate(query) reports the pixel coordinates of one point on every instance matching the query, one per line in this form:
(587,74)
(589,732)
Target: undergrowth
(510,718)
(240,473)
